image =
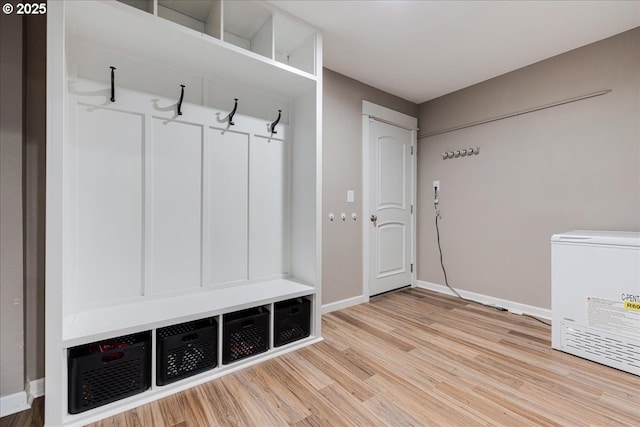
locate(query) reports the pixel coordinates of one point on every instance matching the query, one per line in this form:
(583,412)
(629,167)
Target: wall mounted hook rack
(113,88)
(180,101)
(233,112)
(275,123)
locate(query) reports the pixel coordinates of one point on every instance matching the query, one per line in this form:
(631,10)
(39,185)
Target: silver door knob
(374,220)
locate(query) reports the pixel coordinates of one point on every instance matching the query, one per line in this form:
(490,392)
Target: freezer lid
(615,238)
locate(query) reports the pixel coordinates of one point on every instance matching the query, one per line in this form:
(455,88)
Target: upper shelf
(135,32)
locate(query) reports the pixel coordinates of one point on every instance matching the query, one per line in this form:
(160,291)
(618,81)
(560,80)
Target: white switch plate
(436,185)
(350,196)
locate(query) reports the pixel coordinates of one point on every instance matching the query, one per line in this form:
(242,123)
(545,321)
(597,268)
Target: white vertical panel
(109,201)
(176,206)
(227,206)
(269,208)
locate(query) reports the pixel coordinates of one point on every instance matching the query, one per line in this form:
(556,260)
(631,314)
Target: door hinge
(412,267)
(412,150)
(411,208)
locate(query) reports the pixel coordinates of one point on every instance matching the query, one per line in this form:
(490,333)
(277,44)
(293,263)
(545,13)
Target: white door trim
(396,118)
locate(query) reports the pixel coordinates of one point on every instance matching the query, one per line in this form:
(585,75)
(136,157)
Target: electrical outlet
(436,185)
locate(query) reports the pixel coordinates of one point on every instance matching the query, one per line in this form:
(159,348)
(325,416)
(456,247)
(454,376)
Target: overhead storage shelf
(173,45)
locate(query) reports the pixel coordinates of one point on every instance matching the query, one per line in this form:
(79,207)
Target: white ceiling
(420,50)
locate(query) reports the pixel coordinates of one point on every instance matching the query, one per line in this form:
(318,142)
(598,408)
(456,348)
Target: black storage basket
(292,320)
(245,333)
(186,349)
(109,370)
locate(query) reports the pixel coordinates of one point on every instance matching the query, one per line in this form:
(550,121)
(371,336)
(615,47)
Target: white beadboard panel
(227,199)
(269,208)
(176,206)
(109,148)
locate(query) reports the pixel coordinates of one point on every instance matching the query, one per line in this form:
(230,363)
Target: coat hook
(180,101)
(274,124)
(231,114)
(113,90)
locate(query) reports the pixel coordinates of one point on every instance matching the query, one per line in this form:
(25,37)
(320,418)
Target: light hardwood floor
(410,358)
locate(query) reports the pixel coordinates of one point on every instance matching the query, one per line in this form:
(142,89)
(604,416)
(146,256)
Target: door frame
(395,118)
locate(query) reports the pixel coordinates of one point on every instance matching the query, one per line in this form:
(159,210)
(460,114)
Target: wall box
(292,320)
(110,370)
(155,218)
(186,349)
(244,334)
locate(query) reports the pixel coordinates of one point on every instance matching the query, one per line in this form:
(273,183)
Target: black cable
(539,320)
(446,281)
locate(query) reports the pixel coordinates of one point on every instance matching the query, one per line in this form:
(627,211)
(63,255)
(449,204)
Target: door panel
(391,249)
(390,198)
(392,167)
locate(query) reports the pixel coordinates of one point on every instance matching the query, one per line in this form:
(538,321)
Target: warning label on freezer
(632,305)
(620,317)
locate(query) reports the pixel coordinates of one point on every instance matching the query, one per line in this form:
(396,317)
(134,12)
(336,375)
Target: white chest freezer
(595,296)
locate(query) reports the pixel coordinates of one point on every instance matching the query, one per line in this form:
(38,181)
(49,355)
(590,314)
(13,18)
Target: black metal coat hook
(113,86)
(235,107)
(180,101)
(274,124)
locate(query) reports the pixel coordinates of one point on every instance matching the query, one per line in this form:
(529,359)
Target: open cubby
(202,16)
(245,333)
(186,349)
(144,5)
(291,320)
(249,25)
(107,371)
(294,43)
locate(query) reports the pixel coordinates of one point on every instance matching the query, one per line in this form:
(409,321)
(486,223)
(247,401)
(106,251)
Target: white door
(390,207)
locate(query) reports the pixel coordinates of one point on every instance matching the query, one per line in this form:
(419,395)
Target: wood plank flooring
(410,358)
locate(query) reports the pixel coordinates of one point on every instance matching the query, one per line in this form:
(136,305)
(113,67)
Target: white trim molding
(34,390)
(339,305)
(512,306)
(21,401)
(13,403)
(388,115)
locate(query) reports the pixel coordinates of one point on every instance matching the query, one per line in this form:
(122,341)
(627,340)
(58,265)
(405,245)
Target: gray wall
(22,200)
(342,171)
(575,166)
(11,266)
(34,194)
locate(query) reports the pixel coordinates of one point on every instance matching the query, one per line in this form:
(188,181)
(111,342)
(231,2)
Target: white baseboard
(512,306)
(13,403)
(21,401)
(34,390)
(339,305)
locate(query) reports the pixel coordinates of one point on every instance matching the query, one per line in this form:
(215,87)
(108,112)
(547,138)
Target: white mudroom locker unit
(183,188)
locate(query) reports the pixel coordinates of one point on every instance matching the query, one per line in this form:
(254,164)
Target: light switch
(350,196)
